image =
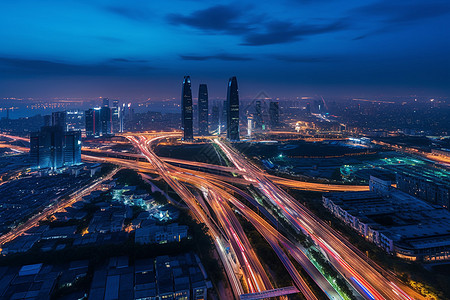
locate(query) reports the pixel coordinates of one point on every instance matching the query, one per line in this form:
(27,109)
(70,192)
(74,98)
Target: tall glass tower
(186,109)
(233,110)
(203,110)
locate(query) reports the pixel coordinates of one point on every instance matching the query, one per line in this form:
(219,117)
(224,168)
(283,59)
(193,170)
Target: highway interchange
(362,274)
(214,199)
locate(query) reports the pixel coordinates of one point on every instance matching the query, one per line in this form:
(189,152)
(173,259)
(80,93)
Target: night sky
(286,48)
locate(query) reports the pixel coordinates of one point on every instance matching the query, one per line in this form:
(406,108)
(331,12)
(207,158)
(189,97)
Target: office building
(233,110)
(203,110)
(186,110)
(72,148)
(426,185)
(397,222)
(106,120)
(59,119)
(223,117)
(259,122)
(249,126)
(46,147)
(116,116)
(274,114)
(92,118)
(215,118)
(52,147)
(48,120)
(75,119)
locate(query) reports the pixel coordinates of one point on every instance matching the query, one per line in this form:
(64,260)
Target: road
(389,287)
(359,273)
(364,275)
(57,206)
(290,183)
(255,277)
(297,184)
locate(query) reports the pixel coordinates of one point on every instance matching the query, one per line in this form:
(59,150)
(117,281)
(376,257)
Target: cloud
(397,14)
(219,18)
(303,59)
(126,60)
(255,30)
(402,11)
(224,57)
(285,32)
(33,67)
(129,12)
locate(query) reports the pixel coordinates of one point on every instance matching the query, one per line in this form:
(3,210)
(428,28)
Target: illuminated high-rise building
(53,147)
(215,118)
(274,114)
(259,121)
(106,120)
(186,110)
(203,110)
(92,119)
(223,117)
(75,119)
(249,126)
(59,118)
(115,116)
(233,110)
(72,147)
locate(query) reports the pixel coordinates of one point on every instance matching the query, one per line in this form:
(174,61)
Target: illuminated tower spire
(186,109)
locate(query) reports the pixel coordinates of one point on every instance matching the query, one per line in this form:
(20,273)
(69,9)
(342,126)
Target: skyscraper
(106,120)
(233,110)
(215,118)
(249,126)
(105,102)
(223,118)
(203,110)
(59,119)
(92,118)
(274,114)
(115,116)
(75,119)
(186,109)
(259,121)
(72,147)
(46,147)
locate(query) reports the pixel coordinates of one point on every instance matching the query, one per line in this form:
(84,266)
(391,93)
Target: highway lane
(256,277)
(272,236)
(258,280)
(360,274)
(237,242)
(254,274)
(291,183)
(145,167)
(297,254)
(298,217)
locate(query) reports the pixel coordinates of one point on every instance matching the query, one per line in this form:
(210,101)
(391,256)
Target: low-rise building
(161,234)
(395,221)
(428,186)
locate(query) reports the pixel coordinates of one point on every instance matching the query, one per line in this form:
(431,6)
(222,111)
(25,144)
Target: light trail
(257,281)
(360,269)
(53,208)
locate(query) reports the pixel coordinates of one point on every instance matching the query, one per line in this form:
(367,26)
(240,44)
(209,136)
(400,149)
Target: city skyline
(85,49)
(195,150)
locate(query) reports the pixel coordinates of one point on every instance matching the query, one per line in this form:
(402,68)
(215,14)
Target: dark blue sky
(287,48)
